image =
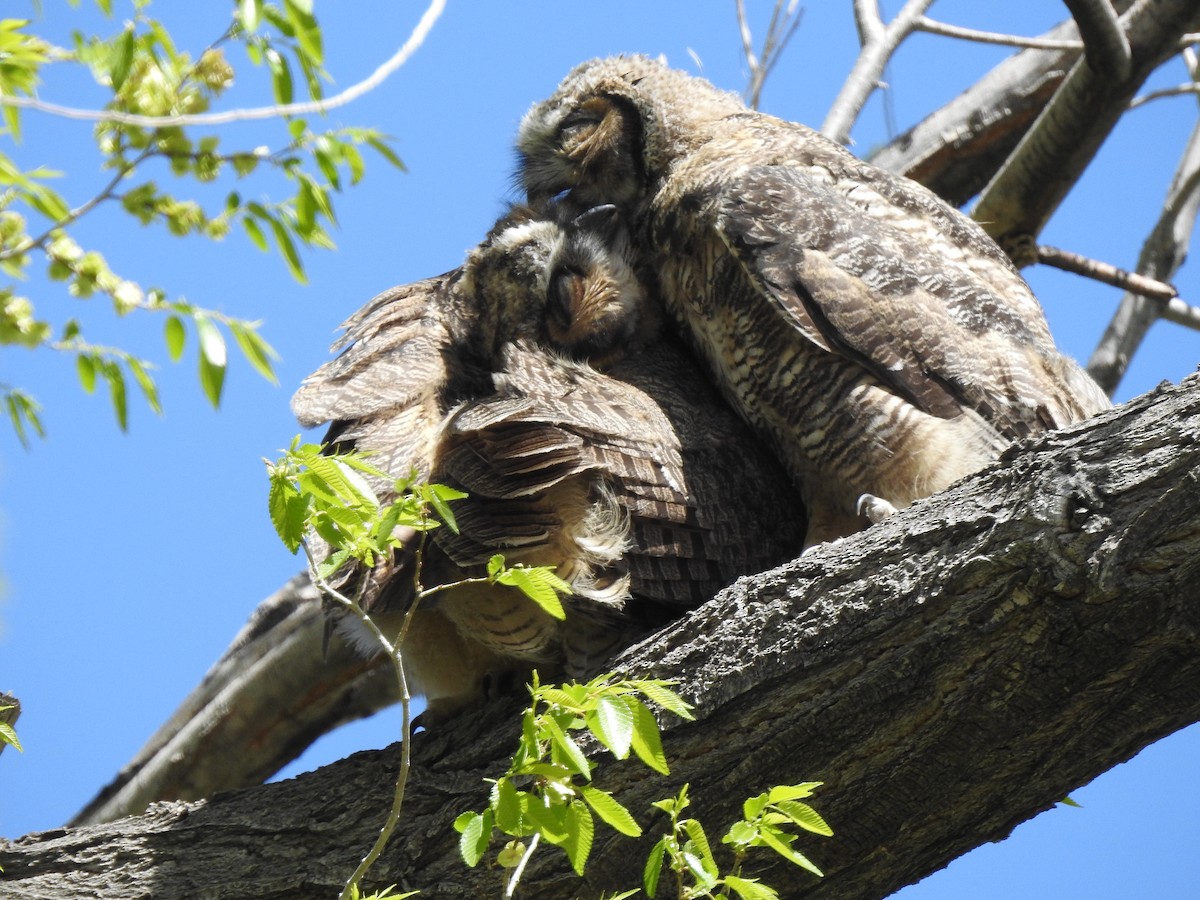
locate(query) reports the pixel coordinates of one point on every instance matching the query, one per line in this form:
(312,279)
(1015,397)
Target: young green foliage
(148,74)
(328,494)
(313,491)
(768,820)
(8,734)
(547,793)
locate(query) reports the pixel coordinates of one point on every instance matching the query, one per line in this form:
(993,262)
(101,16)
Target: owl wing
(386,394)
(879,272)
(555,445)
(386,391)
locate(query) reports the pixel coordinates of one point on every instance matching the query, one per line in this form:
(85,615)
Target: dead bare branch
(1052,156)
(1190,87)
(944,29)
(1105,44)
(1161,256)
(1105,272)
(879,43)
(783,24)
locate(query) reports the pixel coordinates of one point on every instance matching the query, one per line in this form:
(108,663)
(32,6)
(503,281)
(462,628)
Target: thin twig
(1105,272)
(392,648)
(376,78)
(1190,88)
(511,889)
(932,26)
(782,26)
(105,193)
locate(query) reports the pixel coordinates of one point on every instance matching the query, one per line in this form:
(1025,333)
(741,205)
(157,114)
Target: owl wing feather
(552,422)
(856,284)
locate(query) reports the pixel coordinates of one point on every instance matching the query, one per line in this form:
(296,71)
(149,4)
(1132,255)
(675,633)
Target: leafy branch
(154,82)
(328,495)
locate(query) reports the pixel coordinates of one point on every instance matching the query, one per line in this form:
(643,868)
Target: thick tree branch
(1051,157)
(276,689)
(1104,41)
(957,149)
(947,674)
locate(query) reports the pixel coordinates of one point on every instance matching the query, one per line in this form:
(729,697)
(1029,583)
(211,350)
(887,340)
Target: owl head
(612,128)
(562,279)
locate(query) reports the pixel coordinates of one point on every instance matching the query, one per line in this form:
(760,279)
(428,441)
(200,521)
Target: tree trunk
(946,674)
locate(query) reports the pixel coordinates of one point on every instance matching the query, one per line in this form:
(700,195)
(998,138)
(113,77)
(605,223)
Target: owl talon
(874,509)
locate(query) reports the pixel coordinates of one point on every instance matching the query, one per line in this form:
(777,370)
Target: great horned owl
(637,482)
(875,335)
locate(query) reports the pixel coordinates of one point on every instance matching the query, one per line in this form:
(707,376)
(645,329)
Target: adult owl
(873,334)
(510,379)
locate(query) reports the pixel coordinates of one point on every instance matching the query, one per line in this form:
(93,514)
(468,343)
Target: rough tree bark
(947,674)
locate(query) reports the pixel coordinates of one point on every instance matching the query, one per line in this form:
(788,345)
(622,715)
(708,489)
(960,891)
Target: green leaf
(510,855)
(281,76)
(283,240)
(612,812)
(666,698)
(694,865)
(255,233)
(85,365)
(122,60)
(22,410)
(750,888)
(699,841)
(250,11)
(753,806)
(538,584)
(506,803)
(146,383)
(772,838)
(475,831)
(9,736)
(647,743)
(612,724)
(333,562)
(740,832)
(439,497)
(176,336)
(257,351)
(380,146)
(580,832)
(792,791)
(653,868)
(289,512)
(306,29)
(212,359)
(550,822)
(569,755)
(804,816)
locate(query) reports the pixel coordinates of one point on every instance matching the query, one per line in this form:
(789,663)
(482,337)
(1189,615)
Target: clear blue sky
(130,560)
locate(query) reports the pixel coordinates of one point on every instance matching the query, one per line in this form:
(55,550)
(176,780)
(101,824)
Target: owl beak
(604,220)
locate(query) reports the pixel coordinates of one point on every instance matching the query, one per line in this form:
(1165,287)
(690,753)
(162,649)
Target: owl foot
(874,509)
